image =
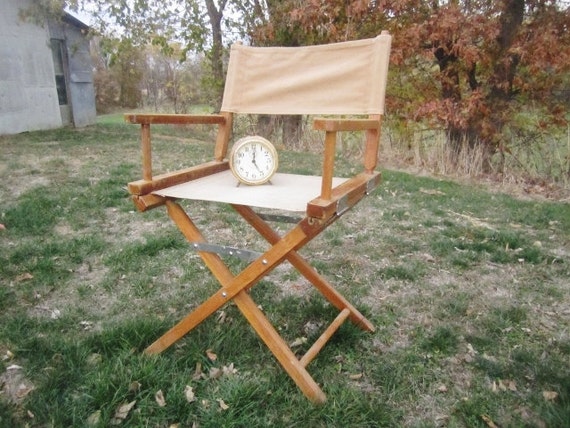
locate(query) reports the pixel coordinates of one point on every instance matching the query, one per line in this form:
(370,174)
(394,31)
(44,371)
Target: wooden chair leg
(216,266)
(326,289)
(294,368)
(234,288)
(231,285)
(187,323)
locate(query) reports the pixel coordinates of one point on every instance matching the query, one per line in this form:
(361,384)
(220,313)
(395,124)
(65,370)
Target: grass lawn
(469,291)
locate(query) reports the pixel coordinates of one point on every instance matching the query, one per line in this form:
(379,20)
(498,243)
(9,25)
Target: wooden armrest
(344,196)
(145,120)
(144,187)
(175,119)
(335,125)
(331,127)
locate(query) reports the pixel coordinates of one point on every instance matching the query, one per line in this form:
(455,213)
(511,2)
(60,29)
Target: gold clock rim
(246,140)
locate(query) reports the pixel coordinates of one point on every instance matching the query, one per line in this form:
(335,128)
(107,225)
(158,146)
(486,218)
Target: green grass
(468,290)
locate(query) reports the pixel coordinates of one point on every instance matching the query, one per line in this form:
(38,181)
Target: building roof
(72,20)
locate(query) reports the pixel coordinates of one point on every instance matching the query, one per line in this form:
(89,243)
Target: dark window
(57,49)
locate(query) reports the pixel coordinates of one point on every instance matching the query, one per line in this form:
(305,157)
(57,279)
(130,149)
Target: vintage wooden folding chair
(345,82)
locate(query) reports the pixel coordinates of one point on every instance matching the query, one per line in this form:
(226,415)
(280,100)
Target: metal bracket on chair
(278,218)
(246,255)
(342,205)
(370,186)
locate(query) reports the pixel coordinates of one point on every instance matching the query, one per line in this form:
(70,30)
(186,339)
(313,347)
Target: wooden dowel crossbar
(279,348)
(324,338)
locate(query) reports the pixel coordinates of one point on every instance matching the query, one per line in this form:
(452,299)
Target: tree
(169,82)
(197,24)
(470,66)
(215,15)
(119,71)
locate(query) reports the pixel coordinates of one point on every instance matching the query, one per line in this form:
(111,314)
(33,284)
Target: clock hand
(253,160)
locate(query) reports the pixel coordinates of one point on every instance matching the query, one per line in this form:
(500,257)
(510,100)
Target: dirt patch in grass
(14,385)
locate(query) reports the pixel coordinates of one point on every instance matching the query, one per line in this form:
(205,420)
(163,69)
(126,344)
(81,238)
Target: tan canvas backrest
(339,78)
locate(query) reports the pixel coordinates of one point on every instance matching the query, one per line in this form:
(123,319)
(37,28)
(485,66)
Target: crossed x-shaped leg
(234,287)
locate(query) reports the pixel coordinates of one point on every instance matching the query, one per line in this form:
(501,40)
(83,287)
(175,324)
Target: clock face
(253,160)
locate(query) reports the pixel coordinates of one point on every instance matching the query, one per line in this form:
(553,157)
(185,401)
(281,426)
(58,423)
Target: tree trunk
(502,79)
(215,15)
(292,129)
(451,93)
(266,125)
(476,133)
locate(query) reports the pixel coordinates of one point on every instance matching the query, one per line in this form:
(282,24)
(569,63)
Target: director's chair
(345,82)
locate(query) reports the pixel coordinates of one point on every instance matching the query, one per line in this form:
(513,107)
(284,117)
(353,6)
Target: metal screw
(264,261)
(224,294)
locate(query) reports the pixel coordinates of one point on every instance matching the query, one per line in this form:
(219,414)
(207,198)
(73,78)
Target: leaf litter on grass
(394,227)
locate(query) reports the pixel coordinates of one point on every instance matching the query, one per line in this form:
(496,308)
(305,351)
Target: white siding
(28,96)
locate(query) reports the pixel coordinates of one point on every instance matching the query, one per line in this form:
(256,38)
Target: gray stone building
(46,73)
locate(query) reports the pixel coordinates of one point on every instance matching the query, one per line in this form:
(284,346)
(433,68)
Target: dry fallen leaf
(198,372)
(488,421)
(159,397)
(223,405)
(311,327)
(122,413)
(211,356)
(24,277)
(87,325)
(431,191)
(135,386)
(229,370)
(8,356)
(94,419)
(298,342)
(94,359)
(23,391)
(504,385)
(215,373)
(550,395)
(189,394)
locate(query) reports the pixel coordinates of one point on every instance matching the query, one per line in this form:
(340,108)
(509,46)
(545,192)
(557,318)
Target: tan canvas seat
(345,82)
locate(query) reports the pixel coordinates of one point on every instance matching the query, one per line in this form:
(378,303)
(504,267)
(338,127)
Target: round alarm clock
(253,160)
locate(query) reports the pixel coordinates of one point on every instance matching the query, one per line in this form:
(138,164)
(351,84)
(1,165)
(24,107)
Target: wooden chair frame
(321,212)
